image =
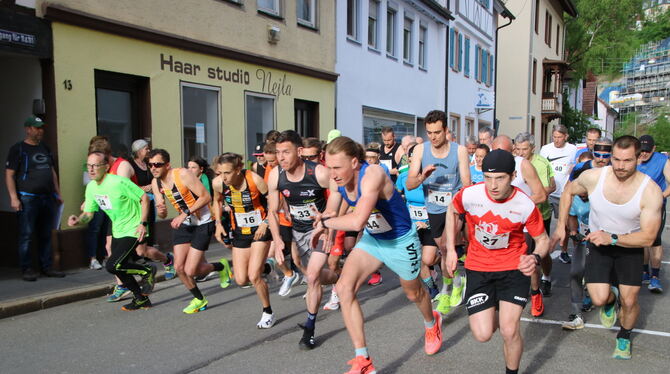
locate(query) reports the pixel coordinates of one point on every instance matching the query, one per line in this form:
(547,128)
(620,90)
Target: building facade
(531,67)
(391,63)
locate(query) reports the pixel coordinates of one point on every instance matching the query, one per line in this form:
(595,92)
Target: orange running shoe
(375,279)
(434,335)
(361,365)
(536,305)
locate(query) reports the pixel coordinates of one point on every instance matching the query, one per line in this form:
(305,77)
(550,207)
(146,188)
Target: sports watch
(615,238)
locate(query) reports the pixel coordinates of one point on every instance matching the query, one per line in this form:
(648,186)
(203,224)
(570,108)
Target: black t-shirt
(33,165)
(144,177)
(304,198)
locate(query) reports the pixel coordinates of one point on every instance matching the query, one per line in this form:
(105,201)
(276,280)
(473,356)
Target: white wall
(370,78)
(22,83)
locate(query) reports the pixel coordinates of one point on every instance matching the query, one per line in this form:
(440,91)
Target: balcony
(552,106)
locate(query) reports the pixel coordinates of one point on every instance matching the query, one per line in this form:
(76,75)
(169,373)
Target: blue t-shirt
(654,169)
(476,175)
(414,198)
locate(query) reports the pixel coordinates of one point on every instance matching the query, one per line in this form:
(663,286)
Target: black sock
(311,321)
(655,272)
(510,371)
(534,292)
(217,266)
(195,291)
(267,269)
(624,333)
(645,268)
(267,309)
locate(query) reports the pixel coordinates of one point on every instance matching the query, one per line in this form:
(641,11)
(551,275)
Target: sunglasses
(95,166)
(156,164)
(602,155)
(310,157)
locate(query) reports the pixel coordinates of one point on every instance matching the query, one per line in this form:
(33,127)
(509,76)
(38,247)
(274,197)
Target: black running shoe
(307,341)
(546,288)
(148,281)
(137,304)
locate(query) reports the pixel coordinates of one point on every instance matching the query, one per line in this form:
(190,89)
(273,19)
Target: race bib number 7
(492,241)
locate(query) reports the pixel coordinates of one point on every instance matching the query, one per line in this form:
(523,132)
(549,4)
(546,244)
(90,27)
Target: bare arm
(415,177)
(56,185)
(577,187)
(464,166)
(533,181)
(666,174)
(161,209)
(273,217)
(11,188)
(125,170)
(195,185)
(551,187)
(527,263)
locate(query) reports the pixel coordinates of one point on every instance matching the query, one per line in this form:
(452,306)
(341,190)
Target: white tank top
(614,218)
(519,181)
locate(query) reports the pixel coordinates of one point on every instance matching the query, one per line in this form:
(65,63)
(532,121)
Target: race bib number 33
(303,212)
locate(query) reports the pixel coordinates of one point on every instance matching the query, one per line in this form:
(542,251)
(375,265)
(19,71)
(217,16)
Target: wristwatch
(145,223)
(615,238)
(538,259)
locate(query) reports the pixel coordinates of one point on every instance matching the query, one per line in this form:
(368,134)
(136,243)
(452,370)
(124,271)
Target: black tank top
(390,155)
(303,197)
(260,169)
(144,177)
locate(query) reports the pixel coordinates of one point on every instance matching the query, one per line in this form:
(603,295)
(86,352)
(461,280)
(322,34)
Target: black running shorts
(244,240)
(486,289)
(198,236)
(606,261)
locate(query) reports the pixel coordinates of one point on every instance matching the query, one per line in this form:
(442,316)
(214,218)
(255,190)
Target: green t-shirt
(119,198)
(545,172)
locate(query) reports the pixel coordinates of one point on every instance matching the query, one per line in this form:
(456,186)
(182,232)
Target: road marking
(555,254)
(665,262)
(591,325)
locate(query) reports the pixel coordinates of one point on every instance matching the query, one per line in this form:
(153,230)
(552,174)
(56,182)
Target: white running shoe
(303,281)
(287,283)
(95,265)
(334,302)
(267,321)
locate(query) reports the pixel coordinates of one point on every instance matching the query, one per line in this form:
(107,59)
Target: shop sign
(14,37)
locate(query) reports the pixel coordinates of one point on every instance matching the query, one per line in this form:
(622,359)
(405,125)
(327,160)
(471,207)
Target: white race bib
(387,163)
(303,212)
(561,167)
(248,219)
(441,198)
(103,202)
(377,224)
(583,229)
(492,241)
(418,213)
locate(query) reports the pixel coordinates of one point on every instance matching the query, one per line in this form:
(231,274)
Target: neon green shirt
(119,198)
(545,172)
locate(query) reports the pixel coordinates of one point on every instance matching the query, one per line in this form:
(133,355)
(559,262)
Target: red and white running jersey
(495,228)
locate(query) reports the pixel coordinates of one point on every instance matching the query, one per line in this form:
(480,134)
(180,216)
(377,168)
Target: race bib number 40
(303,212)
(492,241)
(441,198)
(103,202)
(418,213)
(249,219)
(377,224)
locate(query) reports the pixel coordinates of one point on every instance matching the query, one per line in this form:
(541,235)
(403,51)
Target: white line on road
(555,254)
(591,325)
(665,262)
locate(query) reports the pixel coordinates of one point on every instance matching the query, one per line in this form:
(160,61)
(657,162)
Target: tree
(660,131)
(656,28)
(576,121)
(601,38)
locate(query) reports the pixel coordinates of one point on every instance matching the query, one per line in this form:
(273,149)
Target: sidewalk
(18,296)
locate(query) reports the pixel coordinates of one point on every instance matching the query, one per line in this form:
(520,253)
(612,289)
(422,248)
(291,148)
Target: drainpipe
(446,66)
(507,14)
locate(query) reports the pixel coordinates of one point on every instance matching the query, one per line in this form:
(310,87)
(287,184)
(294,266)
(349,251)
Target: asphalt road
(96,336)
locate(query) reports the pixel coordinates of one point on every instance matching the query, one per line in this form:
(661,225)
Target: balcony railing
(551,104)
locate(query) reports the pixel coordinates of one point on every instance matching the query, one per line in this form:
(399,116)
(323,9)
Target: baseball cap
(647,143)
(138,144)
(34,121)
(498,161)
(258,151)
(334,133)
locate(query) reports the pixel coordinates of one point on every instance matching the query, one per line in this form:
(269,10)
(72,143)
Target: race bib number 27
(492,241)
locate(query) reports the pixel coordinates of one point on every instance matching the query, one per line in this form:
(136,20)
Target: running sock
(577,308)
(195,291)
(645,268)
(534,292)
(267,269)
(311,321)
(429,282)
(546,277)
(623,333)
(267,309)
(655,272)
(217,266)
(429,325)
(362,352)
(169,260)
(510,371)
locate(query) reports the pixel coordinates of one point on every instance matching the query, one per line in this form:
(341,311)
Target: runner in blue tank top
(389,238)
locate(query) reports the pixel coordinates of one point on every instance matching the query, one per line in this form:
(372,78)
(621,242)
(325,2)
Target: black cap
(647,143)
(258,151)
(498,161)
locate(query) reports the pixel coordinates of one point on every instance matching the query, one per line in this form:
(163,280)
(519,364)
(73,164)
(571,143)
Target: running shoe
(267,321)
(655,285)
(622,349)
(545,286)
(246,285)
(608,312)
(206,277)
(137,304)
(361,365)
(434,293)
(287,283)
(148,281)
(433,337)
(118,294)
(444,303)
(95,264)
(375,279)
(587,304)
(646,278)
(196,306)
(457,293)
(170,272)
(575,322)
(536,305)
(334,302)
(307,342)
(303,280)
(225,275)
(565,258)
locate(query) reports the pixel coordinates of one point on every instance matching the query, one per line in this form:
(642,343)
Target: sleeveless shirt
(444,182)
(304,198)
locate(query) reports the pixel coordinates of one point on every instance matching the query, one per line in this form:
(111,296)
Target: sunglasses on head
(310,157)
(155,164)
(602,155)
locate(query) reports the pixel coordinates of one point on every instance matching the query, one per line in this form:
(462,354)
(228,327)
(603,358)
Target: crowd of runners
(458,224)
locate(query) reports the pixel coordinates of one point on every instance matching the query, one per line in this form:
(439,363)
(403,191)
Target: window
(374,119)
(268,6)
(534,84)
(558,39)
(352,19)
(373,24)
(200,121)
(537,17)
(491,66)
(532,125)
(390,31)
(477,59)
(259,118)
(422,46)
(452,35)
(455,52)
(460,52)
(469,127)
(407,40)
(485,68)
(454,127)
(306,12)
(306,118)
(484,3)
(466,63)
(547,29)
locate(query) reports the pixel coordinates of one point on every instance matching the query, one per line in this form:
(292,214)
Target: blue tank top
(389,219)
(654,169)
(414,198)
(444,182)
